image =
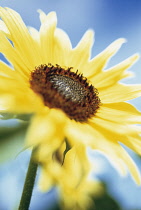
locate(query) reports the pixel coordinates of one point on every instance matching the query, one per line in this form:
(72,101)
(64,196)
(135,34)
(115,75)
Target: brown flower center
(66,90)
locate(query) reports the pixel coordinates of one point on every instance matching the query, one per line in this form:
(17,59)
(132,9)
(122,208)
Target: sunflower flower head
(70,96)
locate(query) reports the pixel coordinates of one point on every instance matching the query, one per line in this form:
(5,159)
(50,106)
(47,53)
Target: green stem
(29,184)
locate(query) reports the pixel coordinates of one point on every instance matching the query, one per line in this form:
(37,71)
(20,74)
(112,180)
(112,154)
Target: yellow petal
(109,149)
(62,48)
(115,153)
(35,34)
(123,132)
(45,181)
(6,71)
(81,53)
(13,56)
(114,74)
(72,164)
(45,127)
(47,37)
(12,85)
(20,37)
(20,102)
(119,93)
(133,142)
(4,28)
(117,112)
(42,16)
(120,128)
(79,151)
(98,63)
(16,96)
(132,167)
(78,133)
(36,39)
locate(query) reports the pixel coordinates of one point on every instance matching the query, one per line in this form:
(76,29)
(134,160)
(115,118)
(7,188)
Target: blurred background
(110,19)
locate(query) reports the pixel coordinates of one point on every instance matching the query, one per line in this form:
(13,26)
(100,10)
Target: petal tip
(119,42)
(90,32)
(43,16)
(116,45)
(136,56)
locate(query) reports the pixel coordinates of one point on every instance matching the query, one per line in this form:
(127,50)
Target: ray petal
(6,71)
(62,48)
(115,153)
(114,74)
(20,103)
(50,128)
(13,56)
(117,132)
(98,63)
(117,111)
(47,37)
(20,37)
(119,93)
(81,53)
(4,28)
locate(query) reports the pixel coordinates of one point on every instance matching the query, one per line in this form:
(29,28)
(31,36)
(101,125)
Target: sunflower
(69,95)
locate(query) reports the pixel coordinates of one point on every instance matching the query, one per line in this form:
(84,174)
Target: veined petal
(119,93)
(115,153)
(114,74)
(81,53)
(47,37)
(6,71)
(133,142)
(116,132)
(120,129)
(110,148)
(98,63)
(117,111)
(62,47)
(35,34)
(131,166)
(13,56)
(20,37)
(36,39)
(122,161)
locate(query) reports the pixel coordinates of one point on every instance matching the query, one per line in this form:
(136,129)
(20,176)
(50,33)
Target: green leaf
(11,141)
(7,116)
(105,201)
